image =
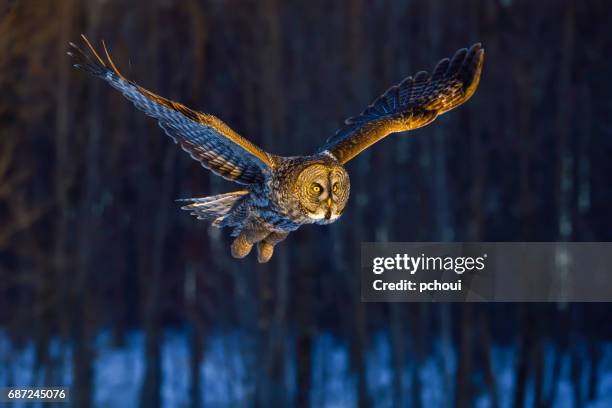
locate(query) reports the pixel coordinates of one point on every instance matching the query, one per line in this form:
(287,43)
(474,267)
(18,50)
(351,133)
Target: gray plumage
(282,193)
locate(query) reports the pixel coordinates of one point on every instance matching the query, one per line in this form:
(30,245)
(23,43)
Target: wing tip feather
(452,82)
(93,50)
(110,61)
(88,59)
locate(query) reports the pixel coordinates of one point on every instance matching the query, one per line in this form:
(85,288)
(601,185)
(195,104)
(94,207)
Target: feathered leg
(243,244)
(265,248)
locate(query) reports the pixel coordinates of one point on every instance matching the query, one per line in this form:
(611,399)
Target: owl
(280,194)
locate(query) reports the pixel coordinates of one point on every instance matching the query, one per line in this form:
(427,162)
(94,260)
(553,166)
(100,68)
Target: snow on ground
(228,372)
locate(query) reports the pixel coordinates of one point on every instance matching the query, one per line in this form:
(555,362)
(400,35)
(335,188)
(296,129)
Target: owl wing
(206,138)
(413,103)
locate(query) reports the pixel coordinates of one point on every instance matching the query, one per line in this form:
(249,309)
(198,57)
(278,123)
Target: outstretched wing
(206,138)
(413,103)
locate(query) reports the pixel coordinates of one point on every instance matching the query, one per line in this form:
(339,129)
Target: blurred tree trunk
(487,352)
(525,72)
(436,147)
(526,341)
(577,358)
(564,122)
(152,237)
(64,170)
(193,296)
(564,159)
(463,385)
(271,389)
(562,331)
(151,390)
(434,163)
(582,170)
(576,375)
(197,354)
(358,91)
(594,351)
(420,332)
(398,345)
(527,352)
(389,223)
(304,346)
(84,307)
(447,352)
(479,150)
(538,358)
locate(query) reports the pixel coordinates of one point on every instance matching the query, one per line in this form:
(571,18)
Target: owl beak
(328,212)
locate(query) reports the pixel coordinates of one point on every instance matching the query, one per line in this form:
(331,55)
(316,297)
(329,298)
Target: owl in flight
(280,194)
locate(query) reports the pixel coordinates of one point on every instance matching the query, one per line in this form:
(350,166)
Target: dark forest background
(91,239)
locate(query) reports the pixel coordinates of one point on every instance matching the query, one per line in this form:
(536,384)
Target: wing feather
(413,103)
(205,137)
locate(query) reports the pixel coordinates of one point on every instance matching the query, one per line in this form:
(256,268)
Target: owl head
(322,190)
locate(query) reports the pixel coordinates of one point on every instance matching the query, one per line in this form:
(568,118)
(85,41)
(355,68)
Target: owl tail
(216,208)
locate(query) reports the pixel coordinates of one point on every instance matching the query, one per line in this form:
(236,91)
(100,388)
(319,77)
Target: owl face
(322,191)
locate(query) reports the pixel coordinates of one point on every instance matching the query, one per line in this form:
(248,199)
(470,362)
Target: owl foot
(241,247)
(264,251)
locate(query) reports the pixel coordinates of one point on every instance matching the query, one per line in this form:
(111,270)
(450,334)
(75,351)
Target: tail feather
(215,208)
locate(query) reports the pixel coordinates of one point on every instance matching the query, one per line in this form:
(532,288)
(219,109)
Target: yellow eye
(316,188)
(335,188)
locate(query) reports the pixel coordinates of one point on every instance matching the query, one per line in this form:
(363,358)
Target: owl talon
(264,251)
(241,247)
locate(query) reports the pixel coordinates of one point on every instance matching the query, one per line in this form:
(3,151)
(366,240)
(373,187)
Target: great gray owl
(282,193)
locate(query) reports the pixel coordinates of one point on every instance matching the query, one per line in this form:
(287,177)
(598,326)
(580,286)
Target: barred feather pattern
(283,193)
(206,138)
(413,103)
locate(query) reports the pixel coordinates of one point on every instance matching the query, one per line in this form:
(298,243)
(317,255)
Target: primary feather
(206,138)
(413,103)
